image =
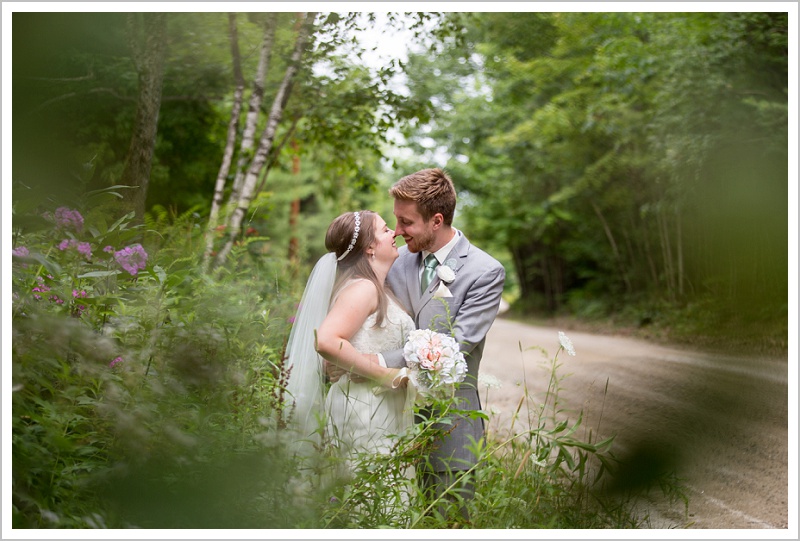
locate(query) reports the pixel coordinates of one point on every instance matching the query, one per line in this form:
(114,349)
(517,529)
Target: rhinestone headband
(353,240)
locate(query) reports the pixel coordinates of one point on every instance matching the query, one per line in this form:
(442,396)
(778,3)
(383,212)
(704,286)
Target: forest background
(630,170)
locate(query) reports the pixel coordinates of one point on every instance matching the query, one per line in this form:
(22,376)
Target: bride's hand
(399,379)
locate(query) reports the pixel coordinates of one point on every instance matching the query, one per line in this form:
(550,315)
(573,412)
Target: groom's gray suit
(473,306)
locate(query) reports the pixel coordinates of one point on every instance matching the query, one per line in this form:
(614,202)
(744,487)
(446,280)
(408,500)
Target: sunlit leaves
(630,114)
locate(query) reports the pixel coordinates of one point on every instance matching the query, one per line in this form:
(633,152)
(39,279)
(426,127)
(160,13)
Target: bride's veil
(306,383)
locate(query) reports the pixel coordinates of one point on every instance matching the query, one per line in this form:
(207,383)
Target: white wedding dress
(363,417)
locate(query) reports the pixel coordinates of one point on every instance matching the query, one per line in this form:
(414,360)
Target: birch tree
(254,108)
(265,143)
(230,141)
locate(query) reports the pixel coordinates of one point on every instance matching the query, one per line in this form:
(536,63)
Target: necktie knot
(428,270)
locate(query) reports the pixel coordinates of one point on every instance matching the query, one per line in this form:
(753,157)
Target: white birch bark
(266,140)
(253,109)
(230,143)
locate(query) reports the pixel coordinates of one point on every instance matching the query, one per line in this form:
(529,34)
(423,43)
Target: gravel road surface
(720,421)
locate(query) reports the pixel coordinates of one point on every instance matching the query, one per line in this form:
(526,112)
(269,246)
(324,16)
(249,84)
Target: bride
(350,315)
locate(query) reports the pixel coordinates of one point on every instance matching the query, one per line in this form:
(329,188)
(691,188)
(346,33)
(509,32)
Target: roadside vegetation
(174,174)
(149,395)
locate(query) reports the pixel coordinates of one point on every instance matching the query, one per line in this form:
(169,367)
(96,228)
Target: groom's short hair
(431,189)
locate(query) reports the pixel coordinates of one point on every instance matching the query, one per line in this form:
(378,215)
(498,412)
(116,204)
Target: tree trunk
(267,138)
(276,151)
(230,143)
(540,275)
(679,250)
(294,211)
(609,235)
(521,269)
(648,249)
(253,109)
(666,250)
(148,52)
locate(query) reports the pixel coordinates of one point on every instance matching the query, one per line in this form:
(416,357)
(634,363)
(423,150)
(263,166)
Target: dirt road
(722,421)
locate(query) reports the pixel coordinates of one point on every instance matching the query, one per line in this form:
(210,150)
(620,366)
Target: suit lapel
(455,259)
(411,280)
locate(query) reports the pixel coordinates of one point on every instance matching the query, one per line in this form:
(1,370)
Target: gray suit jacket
(474,304)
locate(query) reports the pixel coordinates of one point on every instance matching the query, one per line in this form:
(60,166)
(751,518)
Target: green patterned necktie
(428,271)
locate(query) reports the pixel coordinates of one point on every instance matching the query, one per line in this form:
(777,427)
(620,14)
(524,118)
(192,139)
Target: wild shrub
(129,363)
(149,394)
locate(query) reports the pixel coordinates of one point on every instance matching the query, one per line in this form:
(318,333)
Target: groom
(424,205)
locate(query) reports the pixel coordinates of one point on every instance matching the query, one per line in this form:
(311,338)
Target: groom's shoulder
(482,257)
(482,263)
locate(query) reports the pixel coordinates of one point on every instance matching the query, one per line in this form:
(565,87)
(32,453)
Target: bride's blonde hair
(354,262)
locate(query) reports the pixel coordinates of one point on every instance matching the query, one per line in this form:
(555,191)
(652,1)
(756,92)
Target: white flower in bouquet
(435,363)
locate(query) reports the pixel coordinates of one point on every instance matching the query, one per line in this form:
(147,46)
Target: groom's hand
(335,372)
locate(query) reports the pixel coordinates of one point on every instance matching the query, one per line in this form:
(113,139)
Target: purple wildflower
(83,247)
(86,249)
(132,258)
(108,249)
(66,218)
(20,251)
(41,288)
(78,309)
(115,362)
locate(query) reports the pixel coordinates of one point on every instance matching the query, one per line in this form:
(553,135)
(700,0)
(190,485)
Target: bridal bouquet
(435,363)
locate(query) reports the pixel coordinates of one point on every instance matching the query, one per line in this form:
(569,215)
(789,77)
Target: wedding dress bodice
(390,335)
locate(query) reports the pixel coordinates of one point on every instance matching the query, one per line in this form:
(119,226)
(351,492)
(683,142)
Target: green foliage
(617,157)
(155,399)
(589,150)
(606,157)
(76,103)
(123,378)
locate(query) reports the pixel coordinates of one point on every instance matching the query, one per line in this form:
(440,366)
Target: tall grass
(540,471)
(147,394)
